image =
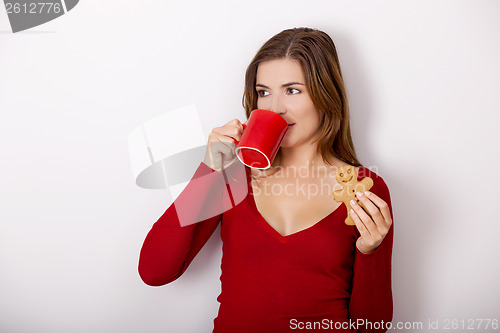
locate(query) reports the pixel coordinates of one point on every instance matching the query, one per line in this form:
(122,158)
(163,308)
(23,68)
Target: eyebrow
(282,86)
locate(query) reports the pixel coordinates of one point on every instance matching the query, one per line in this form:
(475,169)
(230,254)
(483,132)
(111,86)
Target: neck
(304,156)
(301,156)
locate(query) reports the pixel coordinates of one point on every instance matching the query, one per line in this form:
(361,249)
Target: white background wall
(423,79)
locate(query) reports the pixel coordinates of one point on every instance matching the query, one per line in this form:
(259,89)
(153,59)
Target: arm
(184,228)
(371,295)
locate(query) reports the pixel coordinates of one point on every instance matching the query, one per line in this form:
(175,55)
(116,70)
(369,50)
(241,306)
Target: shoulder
(363,172)
(373,173)
(379,187)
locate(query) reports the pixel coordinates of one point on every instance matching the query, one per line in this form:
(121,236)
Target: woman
(289,260)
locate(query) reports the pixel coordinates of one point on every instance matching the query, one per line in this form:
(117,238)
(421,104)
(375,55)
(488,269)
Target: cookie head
(346,174)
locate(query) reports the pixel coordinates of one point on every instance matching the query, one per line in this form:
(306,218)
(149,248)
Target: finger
(365,218)
(359,224)
(382,205)
(227,145)
(224,145)
(236,123)
(234,131)
(222,152)
(241,128)
(374,211)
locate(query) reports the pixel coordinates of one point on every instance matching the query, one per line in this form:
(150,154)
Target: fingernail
(359,194)
(367,193)
(353,203)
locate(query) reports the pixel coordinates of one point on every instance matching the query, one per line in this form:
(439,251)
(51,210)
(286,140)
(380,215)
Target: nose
(277,106)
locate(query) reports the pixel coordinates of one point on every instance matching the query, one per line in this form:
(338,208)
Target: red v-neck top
(306,281)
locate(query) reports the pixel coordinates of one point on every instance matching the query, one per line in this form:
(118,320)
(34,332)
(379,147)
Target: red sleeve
(371,296)
(181,232)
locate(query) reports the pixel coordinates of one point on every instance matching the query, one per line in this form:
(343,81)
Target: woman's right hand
(222,143)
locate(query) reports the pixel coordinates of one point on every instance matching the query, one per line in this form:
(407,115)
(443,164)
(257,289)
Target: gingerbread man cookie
(347,177)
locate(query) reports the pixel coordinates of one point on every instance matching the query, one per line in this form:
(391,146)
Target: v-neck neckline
(275,232)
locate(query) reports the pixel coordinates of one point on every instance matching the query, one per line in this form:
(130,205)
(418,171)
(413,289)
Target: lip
(290,125)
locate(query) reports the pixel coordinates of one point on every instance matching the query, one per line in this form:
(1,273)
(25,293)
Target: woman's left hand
(372,229)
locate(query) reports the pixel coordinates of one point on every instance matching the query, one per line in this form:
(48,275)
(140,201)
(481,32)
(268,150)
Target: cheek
(262,104)
(310,119)
(307,111)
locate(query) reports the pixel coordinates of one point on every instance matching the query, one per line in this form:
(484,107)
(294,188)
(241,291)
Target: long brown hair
(317,55)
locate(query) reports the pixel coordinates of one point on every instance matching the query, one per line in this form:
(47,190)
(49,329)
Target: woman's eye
(293,91)
(262,93)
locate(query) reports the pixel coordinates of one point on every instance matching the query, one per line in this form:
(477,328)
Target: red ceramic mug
(261,139)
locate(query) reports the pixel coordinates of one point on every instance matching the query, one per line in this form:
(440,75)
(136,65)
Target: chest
(292,205)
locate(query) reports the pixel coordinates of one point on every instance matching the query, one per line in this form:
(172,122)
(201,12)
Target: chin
(287,143)
(290,142)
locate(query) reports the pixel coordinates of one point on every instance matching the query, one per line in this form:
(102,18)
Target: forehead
(279,71)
